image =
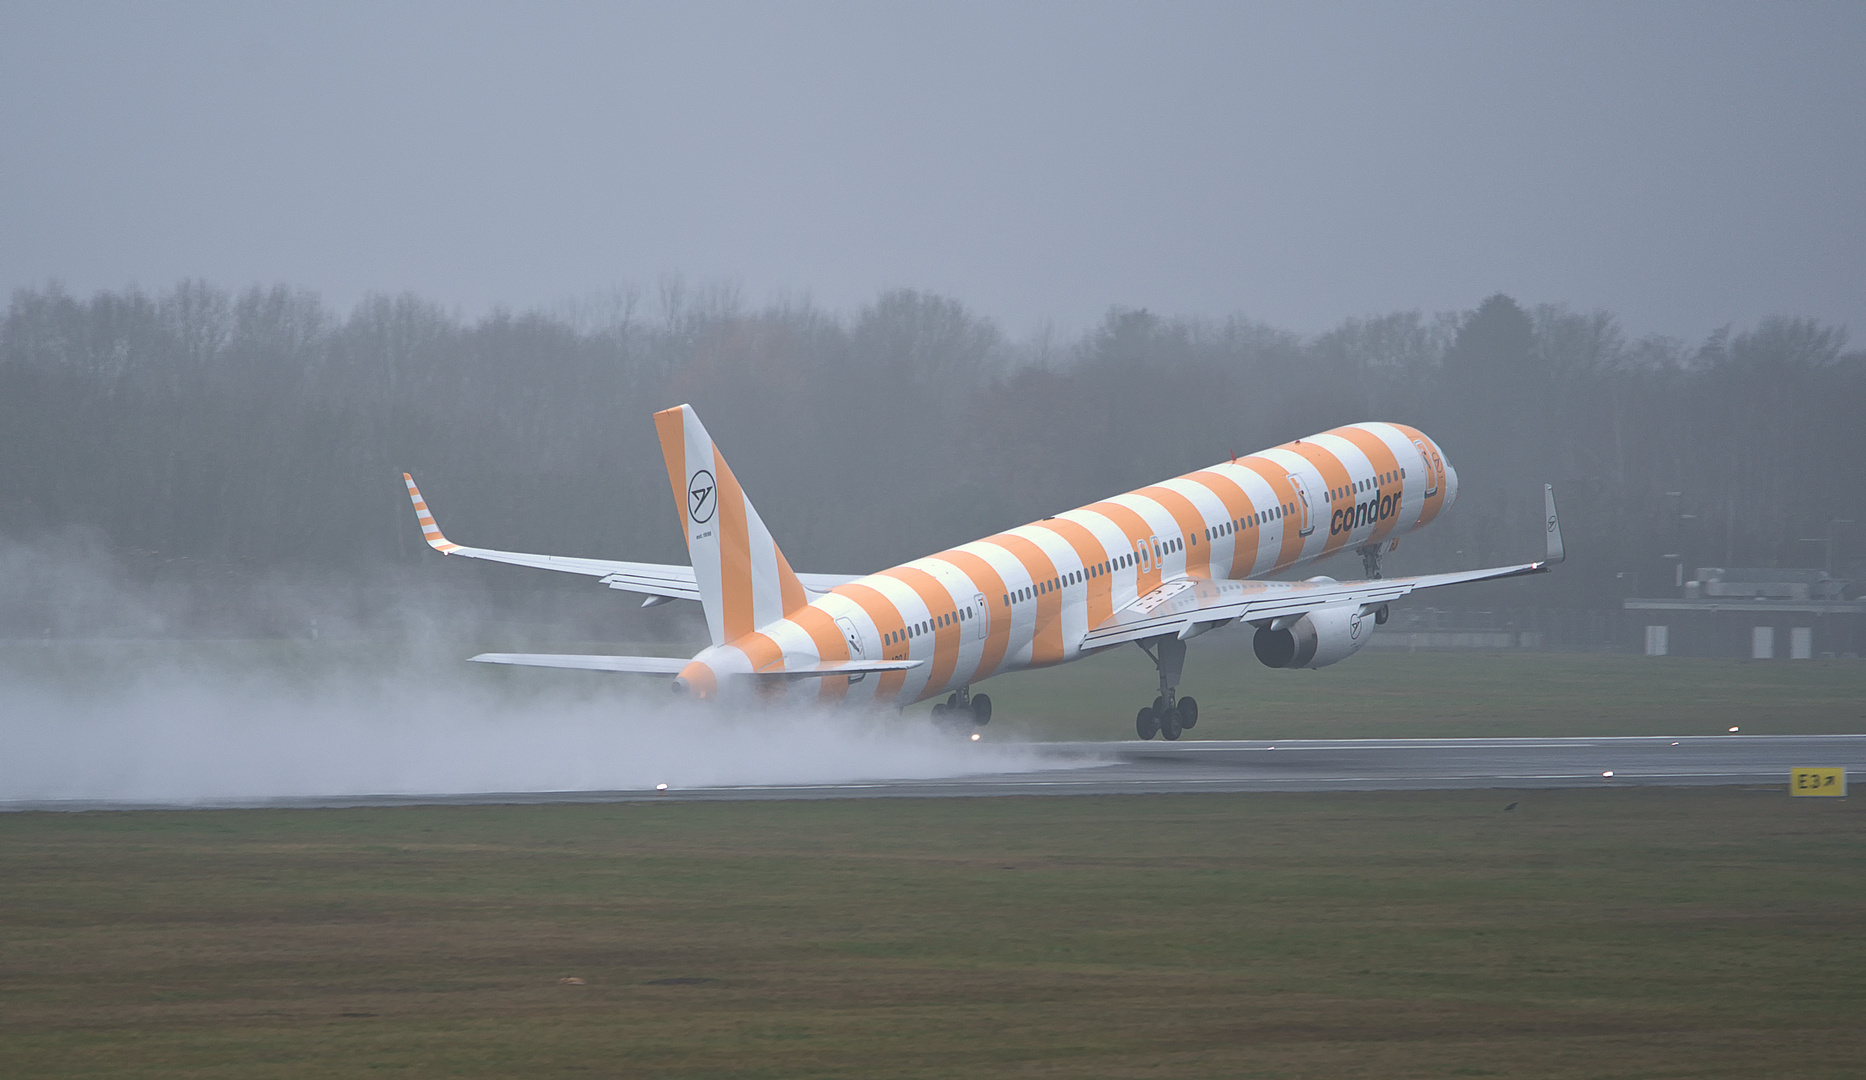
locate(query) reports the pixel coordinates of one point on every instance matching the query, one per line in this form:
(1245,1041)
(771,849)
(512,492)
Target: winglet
(1556,552)
(430,531)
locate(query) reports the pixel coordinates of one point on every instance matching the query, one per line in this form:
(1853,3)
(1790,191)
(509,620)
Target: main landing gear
(963,707)
(1169,714)
(1370,565)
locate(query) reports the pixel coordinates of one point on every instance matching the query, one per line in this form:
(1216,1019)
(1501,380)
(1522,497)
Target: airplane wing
(1190,606)
(660,581)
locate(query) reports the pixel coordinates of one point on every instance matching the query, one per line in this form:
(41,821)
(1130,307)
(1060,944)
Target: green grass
(1381,694)
(1634,933)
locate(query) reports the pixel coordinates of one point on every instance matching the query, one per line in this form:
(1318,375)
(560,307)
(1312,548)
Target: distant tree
(1495,345)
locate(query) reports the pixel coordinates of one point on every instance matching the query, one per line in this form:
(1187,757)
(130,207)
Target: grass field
(1625,933)
(1445,694)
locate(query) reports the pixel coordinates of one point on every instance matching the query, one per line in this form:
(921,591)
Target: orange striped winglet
(429,531)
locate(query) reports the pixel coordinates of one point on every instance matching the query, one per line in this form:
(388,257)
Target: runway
(1151,768)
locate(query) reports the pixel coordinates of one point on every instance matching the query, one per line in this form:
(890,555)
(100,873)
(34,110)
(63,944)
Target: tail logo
(700,501)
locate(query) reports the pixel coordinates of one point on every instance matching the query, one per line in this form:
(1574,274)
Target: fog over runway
(1153,768)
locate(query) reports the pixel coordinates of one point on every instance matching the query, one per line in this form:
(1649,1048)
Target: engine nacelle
(1318,639)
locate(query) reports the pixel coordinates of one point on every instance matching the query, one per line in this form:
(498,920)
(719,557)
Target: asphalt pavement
(1136,768)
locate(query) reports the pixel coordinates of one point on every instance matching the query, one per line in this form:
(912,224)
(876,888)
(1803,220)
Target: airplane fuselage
(1028,597)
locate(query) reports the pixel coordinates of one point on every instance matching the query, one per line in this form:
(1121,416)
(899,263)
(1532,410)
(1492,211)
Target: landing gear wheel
(1169,723)
(952,720)
(1188,713)
(1381,614)
(981,709)
(1146,724)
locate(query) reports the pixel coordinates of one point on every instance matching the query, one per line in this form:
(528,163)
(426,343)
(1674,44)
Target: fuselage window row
(1122,562)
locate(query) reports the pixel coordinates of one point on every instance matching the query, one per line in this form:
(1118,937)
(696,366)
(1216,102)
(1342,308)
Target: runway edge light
(1818,781)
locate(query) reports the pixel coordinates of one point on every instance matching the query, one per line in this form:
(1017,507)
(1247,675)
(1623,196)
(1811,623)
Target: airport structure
(1761,614)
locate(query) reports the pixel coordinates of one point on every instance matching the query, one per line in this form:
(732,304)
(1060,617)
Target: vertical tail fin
(744,579)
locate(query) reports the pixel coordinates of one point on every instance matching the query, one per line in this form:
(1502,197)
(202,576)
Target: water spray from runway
(174,737)
(122,709)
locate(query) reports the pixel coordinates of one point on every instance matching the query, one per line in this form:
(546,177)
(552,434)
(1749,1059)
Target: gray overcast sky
(1681,165)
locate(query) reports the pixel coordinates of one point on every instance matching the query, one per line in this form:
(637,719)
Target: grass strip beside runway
(1649,932)
(1389,694)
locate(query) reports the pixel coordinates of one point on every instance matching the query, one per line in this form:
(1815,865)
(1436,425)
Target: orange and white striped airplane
(1155,567)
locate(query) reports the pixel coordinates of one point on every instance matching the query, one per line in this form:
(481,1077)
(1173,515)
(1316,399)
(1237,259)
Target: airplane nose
(1451,485)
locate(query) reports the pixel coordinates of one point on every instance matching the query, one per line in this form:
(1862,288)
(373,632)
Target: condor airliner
(1155,567)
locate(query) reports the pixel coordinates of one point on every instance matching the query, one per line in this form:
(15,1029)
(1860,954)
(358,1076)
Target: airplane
(1155,567)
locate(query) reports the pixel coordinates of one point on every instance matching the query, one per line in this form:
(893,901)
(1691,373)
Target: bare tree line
(213,430)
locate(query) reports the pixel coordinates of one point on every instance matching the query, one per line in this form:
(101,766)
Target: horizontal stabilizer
(640,665)
(838,667)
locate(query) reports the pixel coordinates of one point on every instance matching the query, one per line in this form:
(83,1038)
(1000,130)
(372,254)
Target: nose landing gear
(1170,714)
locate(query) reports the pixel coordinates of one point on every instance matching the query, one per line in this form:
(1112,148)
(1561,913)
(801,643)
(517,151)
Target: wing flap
(1180,607)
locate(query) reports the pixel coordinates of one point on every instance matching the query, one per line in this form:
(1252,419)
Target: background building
(1762,614)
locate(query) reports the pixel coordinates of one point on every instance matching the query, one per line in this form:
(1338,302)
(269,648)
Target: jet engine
(1318,639)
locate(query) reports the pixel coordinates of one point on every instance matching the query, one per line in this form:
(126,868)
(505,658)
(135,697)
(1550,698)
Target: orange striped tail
(745,581)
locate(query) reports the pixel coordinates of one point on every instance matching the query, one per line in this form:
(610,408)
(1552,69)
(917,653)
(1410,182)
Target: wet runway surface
(1133,768)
